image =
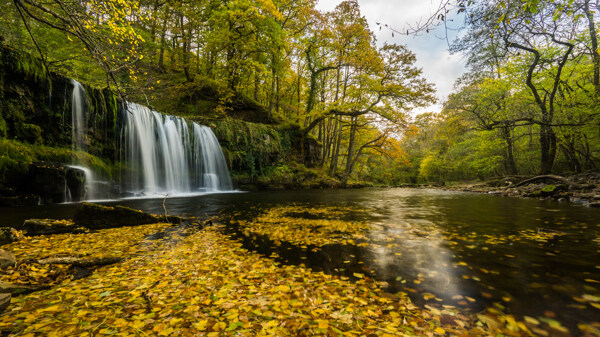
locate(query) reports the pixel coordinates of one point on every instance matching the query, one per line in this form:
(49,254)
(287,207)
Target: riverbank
(198,281)
(582,188)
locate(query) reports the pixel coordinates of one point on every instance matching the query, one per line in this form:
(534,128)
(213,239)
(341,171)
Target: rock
(95,216)
(594,204)
(49,226)
(8,235)
(54,183)
(76,183)
(83,261)
(15,289)
(4,301)
(19,200)
(7,259)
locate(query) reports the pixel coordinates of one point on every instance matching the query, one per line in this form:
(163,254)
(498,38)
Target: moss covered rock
(49,226)
(8,235)
(94,216)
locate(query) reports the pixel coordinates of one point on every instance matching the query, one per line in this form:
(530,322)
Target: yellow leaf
(439,330)
(219,326)
(166,332)
(51,308)
(322,324)
(200,325)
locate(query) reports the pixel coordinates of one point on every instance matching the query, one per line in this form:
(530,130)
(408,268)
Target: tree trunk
(336,147)
(351,139)
(511,167)
(185,49)
(548,148)
(594,47)
(161,55)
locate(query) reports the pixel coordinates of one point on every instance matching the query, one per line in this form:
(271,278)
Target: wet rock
(8,235)
(7,259)
(15,289)
(95,216)
(75,179)
(4,301)
(49,226)
(19,200)
(54,183)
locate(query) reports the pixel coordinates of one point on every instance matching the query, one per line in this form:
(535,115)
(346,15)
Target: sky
(439,66)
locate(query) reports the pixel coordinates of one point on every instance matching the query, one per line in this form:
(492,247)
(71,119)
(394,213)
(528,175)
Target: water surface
(519,256)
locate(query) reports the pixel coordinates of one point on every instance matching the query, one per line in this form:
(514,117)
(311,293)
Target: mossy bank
(36,132)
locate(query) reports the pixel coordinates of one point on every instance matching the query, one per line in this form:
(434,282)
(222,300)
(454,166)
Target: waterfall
(167,154)
(78,116)
(79,130)
(209,161)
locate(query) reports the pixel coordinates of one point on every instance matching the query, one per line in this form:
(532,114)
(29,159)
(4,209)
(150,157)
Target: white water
(79,130)
(166,158)
(78,117)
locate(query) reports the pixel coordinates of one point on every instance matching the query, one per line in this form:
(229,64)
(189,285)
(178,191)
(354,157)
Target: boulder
(8,235)
(95,216)
(49,226)
(54,183)
(7,259)
(4,301)
(15,289)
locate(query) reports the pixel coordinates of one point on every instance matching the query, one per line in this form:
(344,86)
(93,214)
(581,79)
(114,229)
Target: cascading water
(79,119)
(165,157)
(78,116)
(210,160)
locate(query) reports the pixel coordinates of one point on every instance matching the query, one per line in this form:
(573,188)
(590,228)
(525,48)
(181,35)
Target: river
(525,257)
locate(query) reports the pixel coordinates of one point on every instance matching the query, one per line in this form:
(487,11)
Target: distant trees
(533,76)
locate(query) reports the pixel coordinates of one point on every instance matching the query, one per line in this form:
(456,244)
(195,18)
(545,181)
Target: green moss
(32,133)
(249,147)
(31,66)
(549,188)
(3,128)
(16,156)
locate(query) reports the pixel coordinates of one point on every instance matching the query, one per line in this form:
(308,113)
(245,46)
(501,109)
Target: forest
(526,105)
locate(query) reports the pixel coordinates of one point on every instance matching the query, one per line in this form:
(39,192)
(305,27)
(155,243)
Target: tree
(103,27)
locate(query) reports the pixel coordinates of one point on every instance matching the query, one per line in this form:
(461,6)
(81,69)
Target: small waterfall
(79,122)
(78,117)
(209,161)
(165,157)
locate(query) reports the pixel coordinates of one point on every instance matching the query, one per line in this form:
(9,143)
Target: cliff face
(36,133)
(35,107)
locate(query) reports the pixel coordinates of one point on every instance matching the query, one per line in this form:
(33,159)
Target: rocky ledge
(582,188)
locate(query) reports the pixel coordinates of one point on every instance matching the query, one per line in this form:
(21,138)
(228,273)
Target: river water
(524,257)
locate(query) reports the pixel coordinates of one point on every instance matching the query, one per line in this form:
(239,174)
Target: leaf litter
(204,283)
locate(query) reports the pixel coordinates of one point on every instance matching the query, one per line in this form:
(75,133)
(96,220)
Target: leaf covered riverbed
(202,282)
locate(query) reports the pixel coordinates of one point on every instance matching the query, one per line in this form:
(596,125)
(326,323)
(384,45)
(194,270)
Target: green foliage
(3,128)
(294,175)
(250,147)
(16,156)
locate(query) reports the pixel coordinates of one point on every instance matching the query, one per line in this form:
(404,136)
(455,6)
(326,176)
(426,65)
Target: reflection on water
(525,257)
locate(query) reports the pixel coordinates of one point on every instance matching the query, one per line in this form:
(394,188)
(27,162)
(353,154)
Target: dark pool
(524,257)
